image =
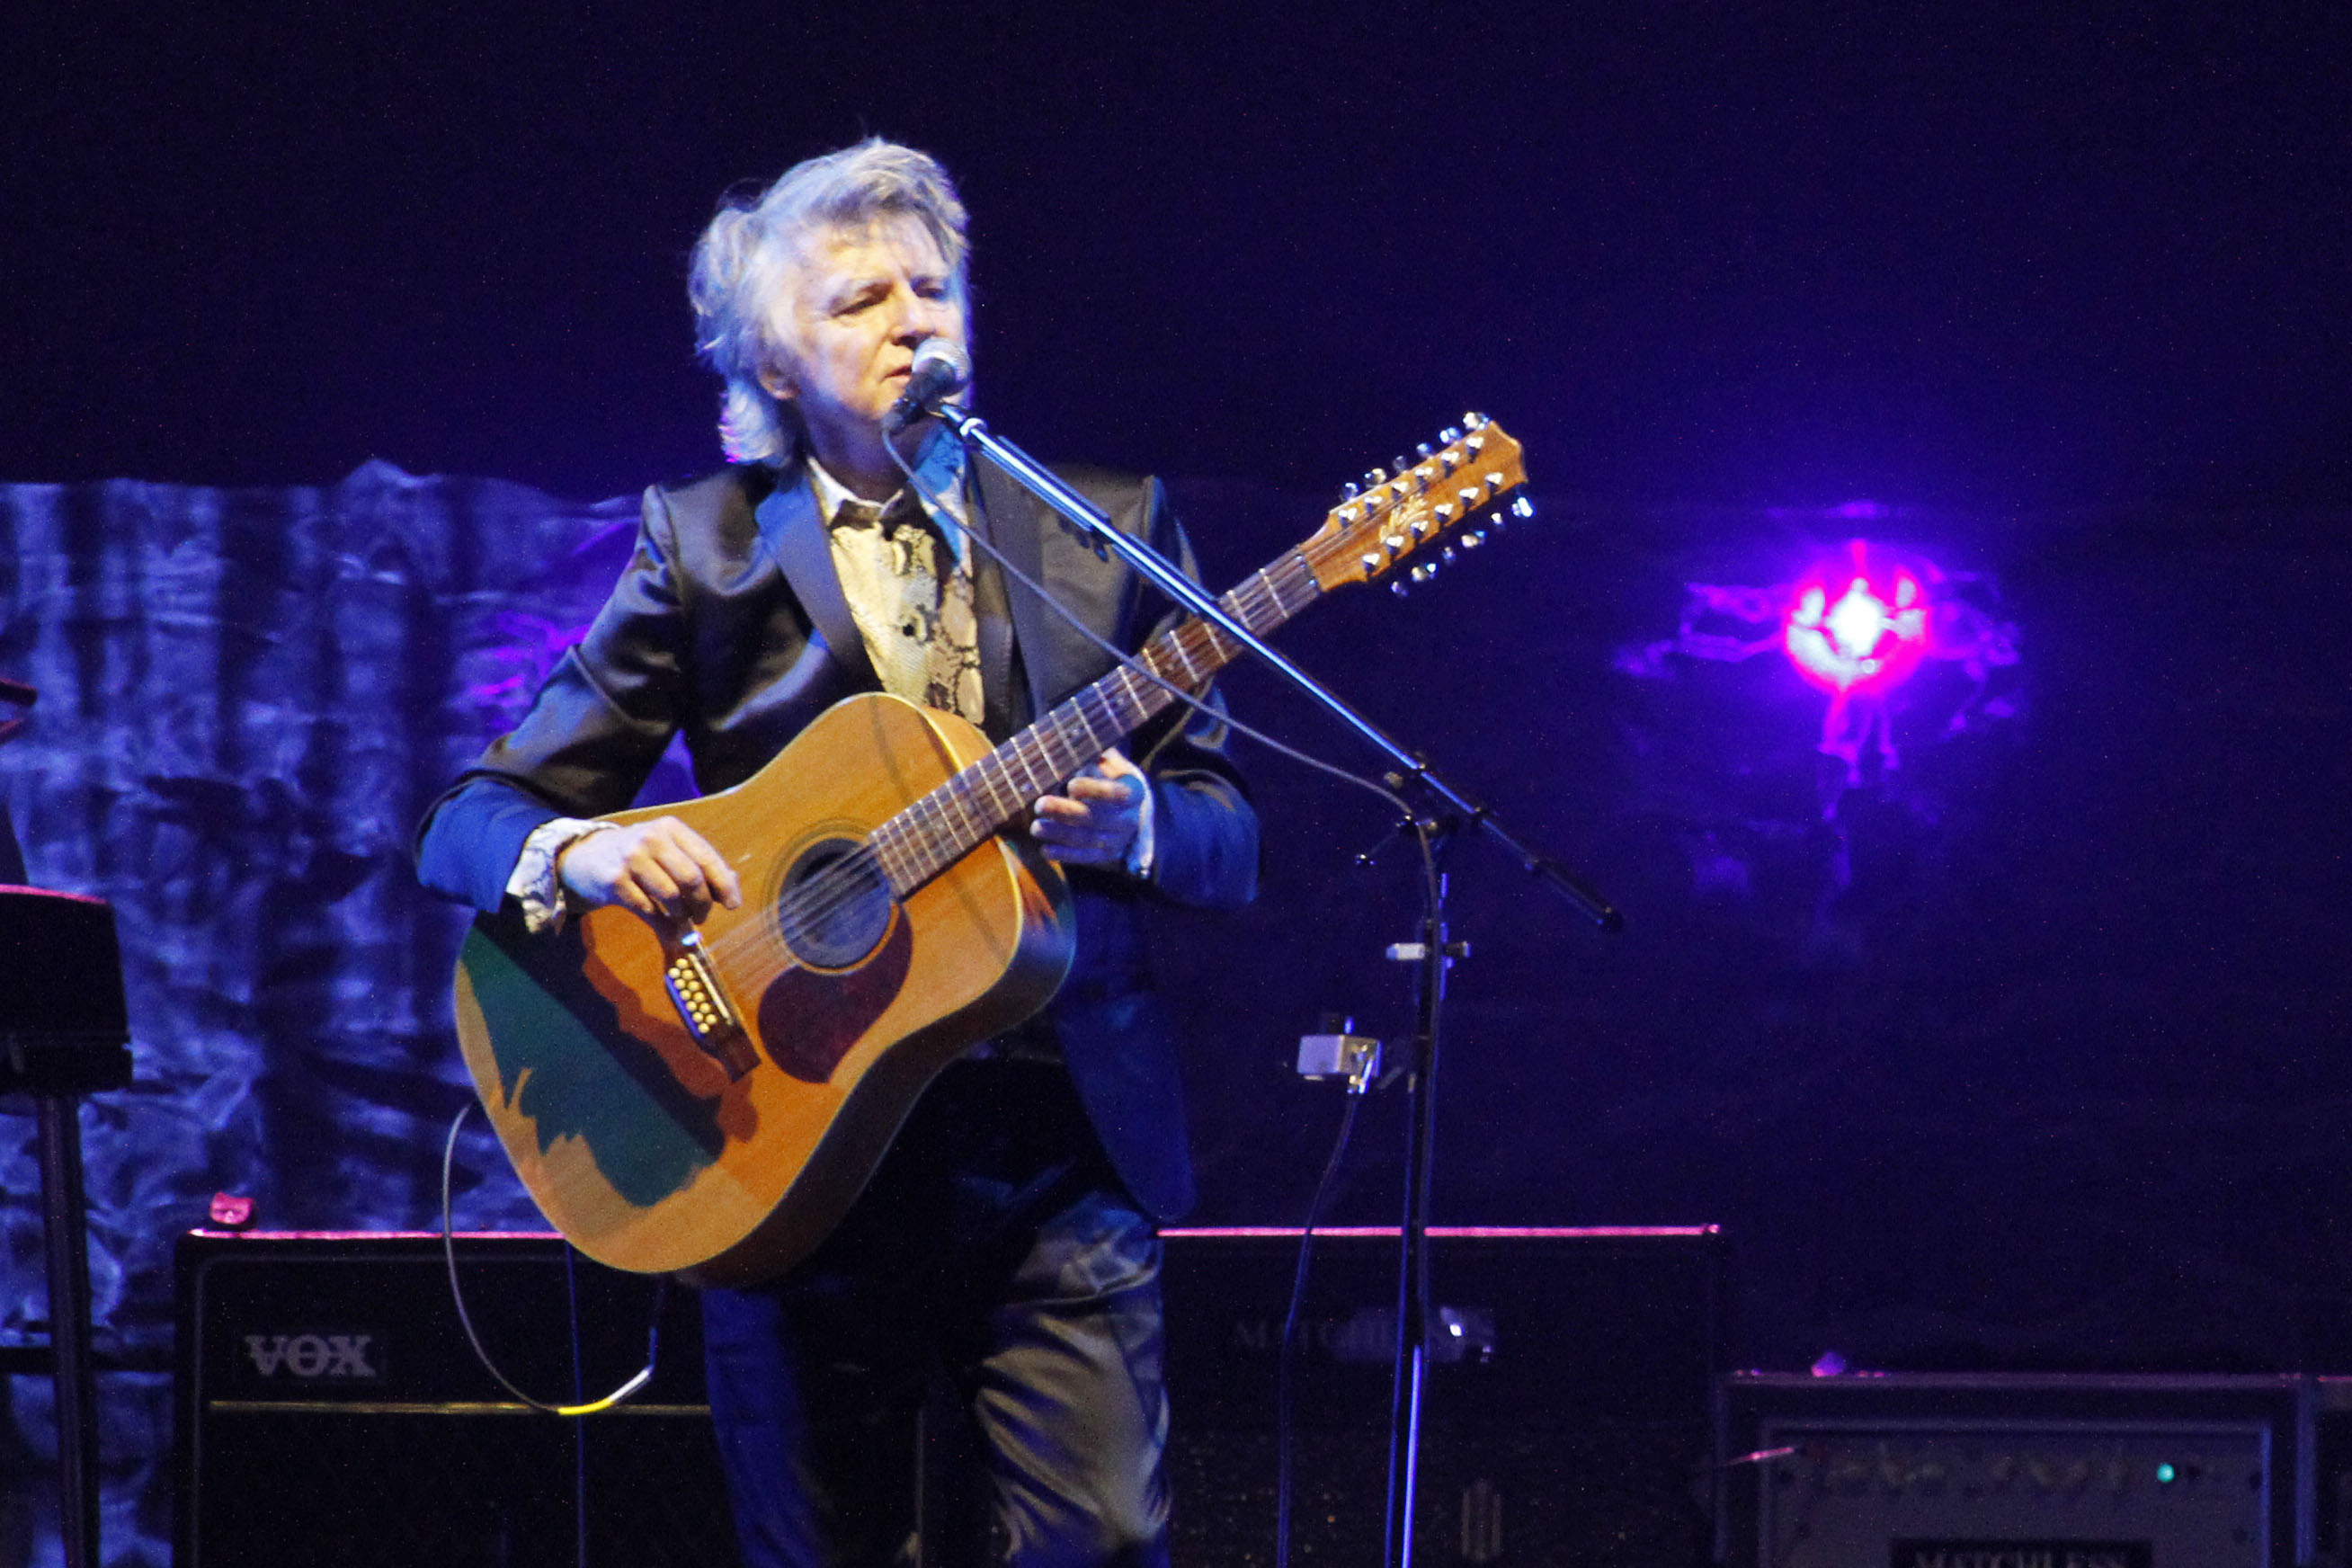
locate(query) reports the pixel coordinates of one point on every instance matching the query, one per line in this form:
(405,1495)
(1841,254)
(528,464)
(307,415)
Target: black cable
(578,1423)
(1286,1357)
(620,1395)
(1131,661)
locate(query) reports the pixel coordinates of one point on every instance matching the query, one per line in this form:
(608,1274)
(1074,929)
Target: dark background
(2033,1053)
(1985,255)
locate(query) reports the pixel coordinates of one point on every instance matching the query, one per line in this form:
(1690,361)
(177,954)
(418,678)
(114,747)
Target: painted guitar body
(653,1151)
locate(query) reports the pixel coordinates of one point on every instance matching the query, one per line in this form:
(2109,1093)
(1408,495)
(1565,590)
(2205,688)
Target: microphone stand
(1431,951)
(1434,956)
(1034,478)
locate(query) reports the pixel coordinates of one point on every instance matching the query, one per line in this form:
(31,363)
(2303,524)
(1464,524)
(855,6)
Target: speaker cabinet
(331,1412)
(2072,1471)
(1568,1407)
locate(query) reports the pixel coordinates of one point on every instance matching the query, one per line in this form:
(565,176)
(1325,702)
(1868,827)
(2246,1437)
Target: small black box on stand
(331,1412)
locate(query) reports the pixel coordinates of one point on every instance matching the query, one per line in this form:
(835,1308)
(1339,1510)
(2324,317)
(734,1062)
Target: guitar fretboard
(940,828)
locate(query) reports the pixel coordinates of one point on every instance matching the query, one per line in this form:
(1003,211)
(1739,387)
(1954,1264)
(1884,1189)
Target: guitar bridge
(703,1007)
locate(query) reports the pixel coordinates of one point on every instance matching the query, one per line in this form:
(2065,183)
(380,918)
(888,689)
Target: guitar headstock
(1442,498)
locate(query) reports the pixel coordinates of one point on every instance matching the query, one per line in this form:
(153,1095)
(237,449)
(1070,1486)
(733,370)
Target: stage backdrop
(2012,1036)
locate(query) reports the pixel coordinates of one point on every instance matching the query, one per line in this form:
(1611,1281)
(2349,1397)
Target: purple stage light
(1857,624)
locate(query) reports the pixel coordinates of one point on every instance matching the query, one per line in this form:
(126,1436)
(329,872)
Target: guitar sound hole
(837,904)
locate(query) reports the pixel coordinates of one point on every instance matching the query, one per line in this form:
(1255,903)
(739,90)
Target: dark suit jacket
(730,625)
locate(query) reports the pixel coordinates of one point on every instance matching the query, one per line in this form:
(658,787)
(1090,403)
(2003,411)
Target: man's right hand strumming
(662,869)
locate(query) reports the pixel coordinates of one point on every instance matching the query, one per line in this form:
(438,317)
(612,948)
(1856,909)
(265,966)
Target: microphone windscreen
(942,366)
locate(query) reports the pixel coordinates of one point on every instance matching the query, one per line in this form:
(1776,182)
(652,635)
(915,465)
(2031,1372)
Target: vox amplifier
(330,1411)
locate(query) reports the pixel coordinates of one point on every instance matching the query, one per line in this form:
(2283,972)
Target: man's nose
(920,318)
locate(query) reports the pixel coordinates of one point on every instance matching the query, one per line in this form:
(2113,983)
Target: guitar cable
(620,1395)
(637,1383)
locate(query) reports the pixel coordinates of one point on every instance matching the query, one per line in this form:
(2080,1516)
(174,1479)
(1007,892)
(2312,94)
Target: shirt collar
(940,471)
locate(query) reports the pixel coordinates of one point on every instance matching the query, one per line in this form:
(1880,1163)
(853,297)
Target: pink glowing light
(1857,626)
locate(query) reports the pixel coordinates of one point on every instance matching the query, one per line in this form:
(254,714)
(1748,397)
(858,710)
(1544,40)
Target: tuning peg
(1424,571)
(1473,539)
(1350,490)
(1446,554)
(1397,466)
(1523,507)
(1374,477)
(1450,435)
(1374,560)
(1421,447)
(1397,588)
(1474,421)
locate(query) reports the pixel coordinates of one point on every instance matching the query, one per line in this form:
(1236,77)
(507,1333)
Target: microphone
(942,370)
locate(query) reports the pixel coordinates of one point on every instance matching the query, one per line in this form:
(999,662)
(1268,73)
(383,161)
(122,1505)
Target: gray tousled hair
(743,266)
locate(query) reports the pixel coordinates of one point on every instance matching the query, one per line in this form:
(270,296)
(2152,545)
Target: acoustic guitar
(708,1100)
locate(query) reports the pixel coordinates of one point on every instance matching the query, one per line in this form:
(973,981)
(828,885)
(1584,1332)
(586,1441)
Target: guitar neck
(941,827)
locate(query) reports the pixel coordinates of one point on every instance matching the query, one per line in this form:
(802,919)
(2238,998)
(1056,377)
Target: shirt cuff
(534,884)
(1139,850)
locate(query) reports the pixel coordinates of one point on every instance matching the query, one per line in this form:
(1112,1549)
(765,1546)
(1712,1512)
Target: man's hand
(663,869)
(1095,824)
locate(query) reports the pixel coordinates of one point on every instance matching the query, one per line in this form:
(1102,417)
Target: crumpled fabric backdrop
(2030,1053)
(247,698)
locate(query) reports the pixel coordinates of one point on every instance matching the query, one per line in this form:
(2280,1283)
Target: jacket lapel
(1016,524)
(794,534)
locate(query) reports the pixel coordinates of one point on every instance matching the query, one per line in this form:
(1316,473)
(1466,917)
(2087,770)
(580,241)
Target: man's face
(862,299)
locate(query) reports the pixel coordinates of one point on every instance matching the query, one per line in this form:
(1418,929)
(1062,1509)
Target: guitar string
(1297,570)
(850,877)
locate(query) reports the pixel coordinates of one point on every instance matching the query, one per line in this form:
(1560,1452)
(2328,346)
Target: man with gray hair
(1010,1235)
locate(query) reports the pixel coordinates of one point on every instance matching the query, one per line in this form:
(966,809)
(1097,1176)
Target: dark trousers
(994,1243)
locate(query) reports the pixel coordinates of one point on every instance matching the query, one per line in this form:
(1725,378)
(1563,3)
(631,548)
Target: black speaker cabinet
(1568,1411)
(331,1412)
(2085,1471)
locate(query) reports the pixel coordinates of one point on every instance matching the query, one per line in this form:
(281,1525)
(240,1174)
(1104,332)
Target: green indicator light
(2165,1474)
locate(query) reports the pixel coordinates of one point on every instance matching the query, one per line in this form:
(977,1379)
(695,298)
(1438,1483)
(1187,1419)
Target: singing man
(1009,1237)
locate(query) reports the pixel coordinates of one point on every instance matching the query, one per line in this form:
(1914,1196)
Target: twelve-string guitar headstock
(1428,506)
